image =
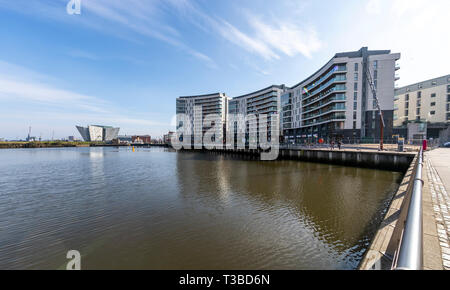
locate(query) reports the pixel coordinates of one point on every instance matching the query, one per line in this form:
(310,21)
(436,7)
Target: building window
(448,89)
(355,106)
(418,103)
(448,116)
(375,74)
(354,115)
(418,118)
(433,83)
(406,112)
(407,97)
(432,112)
(419,94)
(433,104)
(418,111)
(448,107)
(374,104)
(356,76)
(375,64)
(375,84)
(355,86)
(448,98)
(355,96)
(354,125)
(406,105)
(433,95)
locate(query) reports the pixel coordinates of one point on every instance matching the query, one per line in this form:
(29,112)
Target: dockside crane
(29,134)
(377,104)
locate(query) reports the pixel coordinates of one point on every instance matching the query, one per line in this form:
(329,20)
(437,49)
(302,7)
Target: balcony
(335,108)
(336,69)
(336,79)
(336,117)
(323,95)
(324,102)
(263,101)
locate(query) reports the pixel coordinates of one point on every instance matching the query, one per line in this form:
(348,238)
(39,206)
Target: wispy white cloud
(142,17)
(77,53)
(26,95)
(270,39)
(287,37)
(22,84)
(241,39)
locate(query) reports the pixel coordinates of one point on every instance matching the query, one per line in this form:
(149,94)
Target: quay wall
(396,161)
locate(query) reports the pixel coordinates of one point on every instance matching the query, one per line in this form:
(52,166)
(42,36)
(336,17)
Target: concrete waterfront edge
(385,243)
(396,161)
(382,250)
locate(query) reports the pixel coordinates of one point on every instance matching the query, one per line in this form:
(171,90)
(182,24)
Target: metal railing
(410,254)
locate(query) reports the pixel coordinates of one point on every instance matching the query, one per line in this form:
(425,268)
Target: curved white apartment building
(334,102)
(337,102)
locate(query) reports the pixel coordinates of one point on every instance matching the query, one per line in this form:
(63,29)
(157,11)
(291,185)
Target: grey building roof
(423,85)
(197,96)
(281,87)
(363,51)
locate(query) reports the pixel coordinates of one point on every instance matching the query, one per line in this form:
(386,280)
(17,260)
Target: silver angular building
(97,133)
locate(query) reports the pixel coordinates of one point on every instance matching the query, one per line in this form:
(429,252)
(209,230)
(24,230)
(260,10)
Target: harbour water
(158,209)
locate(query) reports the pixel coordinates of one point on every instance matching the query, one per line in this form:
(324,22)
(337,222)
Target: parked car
(447,144)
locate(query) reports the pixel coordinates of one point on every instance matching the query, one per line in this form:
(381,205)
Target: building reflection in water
(312,209)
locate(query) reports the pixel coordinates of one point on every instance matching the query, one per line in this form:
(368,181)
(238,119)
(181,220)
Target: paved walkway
(438,175)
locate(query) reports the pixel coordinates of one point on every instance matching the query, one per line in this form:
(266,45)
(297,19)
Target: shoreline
(66,144)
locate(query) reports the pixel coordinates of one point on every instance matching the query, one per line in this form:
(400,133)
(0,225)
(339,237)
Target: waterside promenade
(383,251)
(438,175)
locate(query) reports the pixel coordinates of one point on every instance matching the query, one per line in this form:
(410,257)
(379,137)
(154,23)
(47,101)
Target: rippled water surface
(158,209)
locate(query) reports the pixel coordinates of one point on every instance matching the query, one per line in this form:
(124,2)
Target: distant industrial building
(124,139)
(167,138)
(96,133)
(141,139)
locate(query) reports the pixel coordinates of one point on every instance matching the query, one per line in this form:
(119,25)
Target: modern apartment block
(337,102)
(427,101)
(196,109)
(263,102)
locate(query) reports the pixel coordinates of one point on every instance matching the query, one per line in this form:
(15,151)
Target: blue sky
(123,63)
